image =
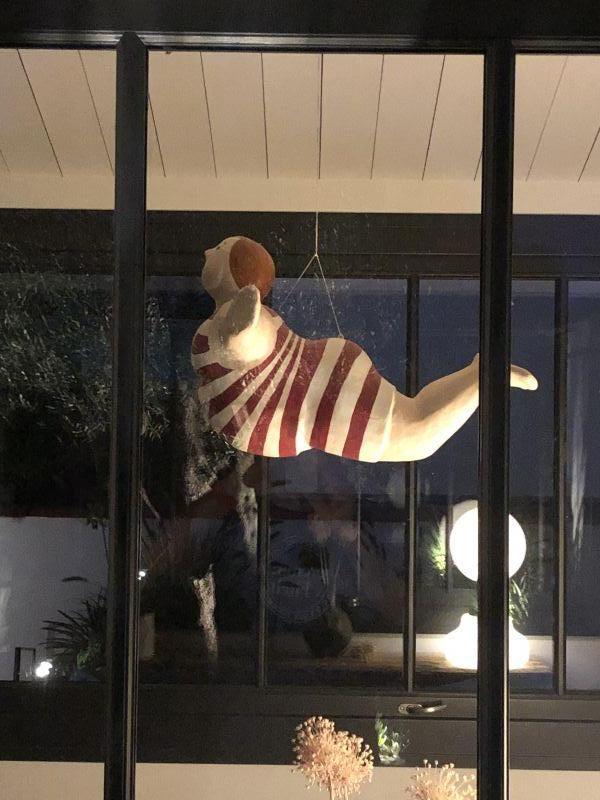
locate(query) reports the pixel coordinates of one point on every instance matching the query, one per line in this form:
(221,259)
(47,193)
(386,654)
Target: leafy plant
(56,383)
(436,553)
(390,744)
(518,599)
(77,641)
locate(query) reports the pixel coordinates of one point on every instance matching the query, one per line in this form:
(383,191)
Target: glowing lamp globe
(464,539)
(460,645)
(43,669)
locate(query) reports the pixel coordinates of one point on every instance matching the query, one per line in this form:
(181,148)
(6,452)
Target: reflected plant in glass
(77,641)
(330,633)
(56,384)
(390,743)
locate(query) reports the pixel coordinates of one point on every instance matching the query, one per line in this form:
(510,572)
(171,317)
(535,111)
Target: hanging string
(329,297)
(296,282)
(315,258)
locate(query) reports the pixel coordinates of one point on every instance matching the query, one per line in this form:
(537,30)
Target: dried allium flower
(333,760)
(432,782)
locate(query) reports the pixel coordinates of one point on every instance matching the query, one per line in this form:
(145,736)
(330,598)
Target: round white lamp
(464,539)
(460,645)
(43,669)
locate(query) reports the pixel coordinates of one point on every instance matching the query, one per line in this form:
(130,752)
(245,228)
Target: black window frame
(500,32)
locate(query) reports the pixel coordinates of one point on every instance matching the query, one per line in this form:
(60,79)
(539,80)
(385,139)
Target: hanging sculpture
(270,392)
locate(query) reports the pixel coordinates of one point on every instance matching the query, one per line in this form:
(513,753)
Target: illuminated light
(464,539)
(460,645)
(43,669)
(142,574)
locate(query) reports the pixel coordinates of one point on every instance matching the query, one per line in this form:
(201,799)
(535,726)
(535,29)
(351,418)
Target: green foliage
(56,385)
(77,640)
(390,744)
(518,599)
(436,553)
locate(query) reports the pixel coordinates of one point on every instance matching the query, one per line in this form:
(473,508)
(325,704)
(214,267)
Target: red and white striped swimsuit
(323,394)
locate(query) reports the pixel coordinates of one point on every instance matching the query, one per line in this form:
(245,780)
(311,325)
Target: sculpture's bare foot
(520,378)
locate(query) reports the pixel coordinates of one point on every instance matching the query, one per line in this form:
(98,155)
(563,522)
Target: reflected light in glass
(464,538)
(43,669)
(460,645)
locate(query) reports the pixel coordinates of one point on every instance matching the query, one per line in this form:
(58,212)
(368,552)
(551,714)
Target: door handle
(420,709)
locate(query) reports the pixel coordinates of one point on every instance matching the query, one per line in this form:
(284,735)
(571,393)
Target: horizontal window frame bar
(189,724)
(23,697)
(398,42)
(412,244)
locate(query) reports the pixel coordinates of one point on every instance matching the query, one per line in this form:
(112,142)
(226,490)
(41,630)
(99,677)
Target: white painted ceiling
(251,130)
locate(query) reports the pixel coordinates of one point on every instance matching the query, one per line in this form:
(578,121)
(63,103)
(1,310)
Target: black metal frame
(561,311)
(432,26)
(129,308)
(494,382)
(412,491)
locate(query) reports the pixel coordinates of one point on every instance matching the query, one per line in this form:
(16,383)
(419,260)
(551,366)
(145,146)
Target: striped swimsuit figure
(323,394)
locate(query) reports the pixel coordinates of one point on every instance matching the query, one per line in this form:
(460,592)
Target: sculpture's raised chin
(273,393)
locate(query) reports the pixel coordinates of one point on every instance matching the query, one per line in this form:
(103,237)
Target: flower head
(432,782)
(334,760)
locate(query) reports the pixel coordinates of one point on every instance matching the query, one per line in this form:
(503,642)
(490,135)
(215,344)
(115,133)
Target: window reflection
(583,488)
(198,591)
(336,575)
(55,381)
(446,592)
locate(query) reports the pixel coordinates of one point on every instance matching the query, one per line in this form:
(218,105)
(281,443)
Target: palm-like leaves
(77,640)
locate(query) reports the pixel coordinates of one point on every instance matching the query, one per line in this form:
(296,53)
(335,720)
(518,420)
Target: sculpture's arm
(422,424)
(245,335)
(242,313)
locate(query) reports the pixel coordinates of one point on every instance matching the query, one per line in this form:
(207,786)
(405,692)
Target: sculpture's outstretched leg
(422,424)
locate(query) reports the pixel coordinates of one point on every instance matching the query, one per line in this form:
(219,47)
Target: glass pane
(198,565)
(583,553)
(276,485)
(552,429)
(531,525)
(337,526)
(56,258)
(556,171)
(446,582)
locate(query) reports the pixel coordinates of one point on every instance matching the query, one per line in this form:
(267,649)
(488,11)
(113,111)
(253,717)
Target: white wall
(67,781)
(36,553)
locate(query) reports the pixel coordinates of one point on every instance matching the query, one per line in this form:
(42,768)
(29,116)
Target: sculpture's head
(235,263)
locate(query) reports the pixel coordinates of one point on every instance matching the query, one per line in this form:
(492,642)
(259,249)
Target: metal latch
(417,709)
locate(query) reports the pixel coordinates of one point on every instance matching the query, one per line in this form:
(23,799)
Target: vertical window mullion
(126,457)
(263,576)
(412,387)
(497,162)
(561,310)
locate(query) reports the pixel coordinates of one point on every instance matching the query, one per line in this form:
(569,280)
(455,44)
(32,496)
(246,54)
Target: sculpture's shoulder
(240,351)
(200,341)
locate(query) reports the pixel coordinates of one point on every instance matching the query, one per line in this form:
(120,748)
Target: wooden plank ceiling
(307,117)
